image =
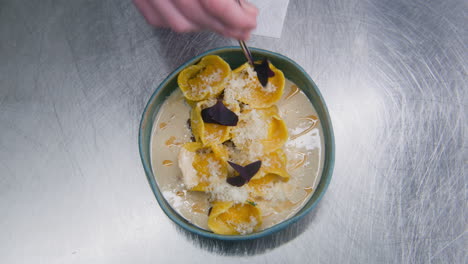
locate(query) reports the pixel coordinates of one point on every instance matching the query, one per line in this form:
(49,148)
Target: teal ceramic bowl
(235,57)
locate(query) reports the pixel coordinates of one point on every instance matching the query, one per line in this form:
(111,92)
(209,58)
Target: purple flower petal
(252,169)
(219,114)
(263,71)
(245,173)
(240,169)
(237,181)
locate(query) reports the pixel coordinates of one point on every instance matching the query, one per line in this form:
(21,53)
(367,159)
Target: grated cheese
(212,78)
(175,200)
(251,130)
(255,151)
(251,73)
(266,162)
(237,156)
(238,87)
(219,188)
(269,88)
(214,168)
(205,87)
(189,173)
(201,90)
(223,191)
(245,228)
(213,136)
(278,191)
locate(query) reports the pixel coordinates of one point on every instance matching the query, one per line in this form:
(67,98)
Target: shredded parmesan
(213,136)
(189,173)
(245,228)
(255,150)
(251,73)
(266,162)
(269,88)
(206,85)
(276,191)
(212,78)
(251,130)
(238,86)
(201,90)
(214,168)
(222,191)
(219,188)
(175,200)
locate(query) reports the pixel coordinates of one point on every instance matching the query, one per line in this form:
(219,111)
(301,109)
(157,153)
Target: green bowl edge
(319,105)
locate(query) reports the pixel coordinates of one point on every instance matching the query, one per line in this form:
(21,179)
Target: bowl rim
(325,176)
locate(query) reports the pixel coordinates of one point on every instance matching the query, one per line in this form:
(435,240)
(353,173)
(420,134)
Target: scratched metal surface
(75,76)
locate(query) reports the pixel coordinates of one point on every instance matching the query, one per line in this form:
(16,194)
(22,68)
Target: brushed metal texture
(75,77)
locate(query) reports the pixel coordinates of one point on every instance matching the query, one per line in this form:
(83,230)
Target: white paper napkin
(271,17)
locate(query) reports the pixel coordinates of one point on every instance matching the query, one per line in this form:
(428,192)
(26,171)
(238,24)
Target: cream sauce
(304,150)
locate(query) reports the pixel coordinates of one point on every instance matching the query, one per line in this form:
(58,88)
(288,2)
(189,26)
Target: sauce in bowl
(304,150)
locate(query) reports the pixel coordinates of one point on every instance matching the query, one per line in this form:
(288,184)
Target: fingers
(173,17)
(231,14)
(194,12)
(149,13)
(225,17)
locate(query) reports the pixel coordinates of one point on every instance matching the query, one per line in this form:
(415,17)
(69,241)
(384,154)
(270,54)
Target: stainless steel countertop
(75,77)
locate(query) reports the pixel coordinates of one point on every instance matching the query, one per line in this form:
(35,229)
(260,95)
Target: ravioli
(208,133)
(259,187)
(273,170)
(229,218)
(274,163)
(198,165)
(255,138)
(277,134)
(263,126)
(205,79)
(220,151)
(245,87)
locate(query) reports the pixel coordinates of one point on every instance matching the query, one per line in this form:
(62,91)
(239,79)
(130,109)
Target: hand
(226,17)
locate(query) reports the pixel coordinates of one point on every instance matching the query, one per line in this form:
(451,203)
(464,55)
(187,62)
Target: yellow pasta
(207,133)
(245,87)
(228,218)
(205,164)
(220,151)
(277,135)
(259,135)
(259,187)
(274,163)
(263,126)
(273,170)
(205,79)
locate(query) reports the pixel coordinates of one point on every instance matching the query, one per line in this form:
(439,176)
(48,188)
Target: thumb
(249,7)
